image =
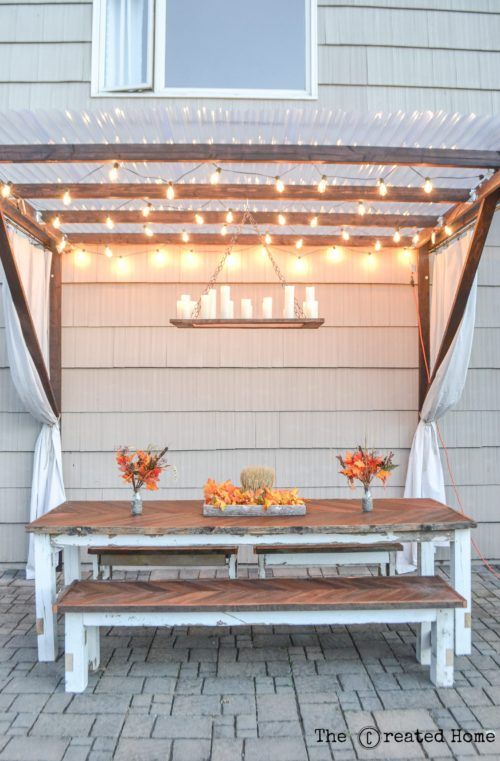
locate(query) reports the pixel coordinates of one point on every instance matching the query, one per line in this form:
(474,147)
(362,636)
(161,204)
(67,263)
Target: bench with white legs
(104,559)
(381,554)
(87,605)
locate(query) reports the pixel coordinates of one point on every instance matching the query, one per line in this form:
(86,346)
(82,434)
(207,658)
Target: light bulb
(121,265)
(300,265)
(215,176)
(148,231)
(56,222)
(223,230)
(428,186)
(298,244)
(81,258)
(146,210)
(62,244)
(314,222)
(361,209)
(345,235)
(378,245)
(6,189)
(397,236)
(448,230)
(433,237)
(281,219)
(229,217)
(66,198)
(263,251)
(108,252)
(333,254)
(109,223)
(382,187)
(268,239)
(322,184)
(113,172)
(406,255)
(159,257)
(170,191)
(184,236)
(280,185)
(199,219)
(415,239)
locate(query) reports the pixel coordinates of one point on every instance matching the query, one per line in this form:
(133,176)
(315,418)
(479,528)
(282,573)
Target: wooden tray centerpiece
(227,500)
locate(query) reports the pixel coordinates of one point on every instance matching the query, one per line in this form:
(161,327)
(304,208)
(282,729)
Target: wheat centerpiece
(364,465)
(141,468)
(255,497)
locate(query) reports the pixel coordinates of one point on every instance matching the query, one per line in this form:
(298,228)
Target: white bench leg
(45,595)
(76,653)
(461,581)
(442,634)
(93,647)
(425,568)
(95,566)
(262,566)
(391,565)
(232,567)
(71,564)
(106,572)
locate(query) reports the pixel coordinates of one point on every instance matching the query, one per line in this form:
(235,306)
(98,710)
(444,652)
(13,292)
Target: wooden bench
(108,557)
(87,605)
(382,554)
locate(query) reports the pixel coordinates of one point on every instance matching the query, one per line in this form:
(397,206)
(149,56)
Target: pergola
(174,201)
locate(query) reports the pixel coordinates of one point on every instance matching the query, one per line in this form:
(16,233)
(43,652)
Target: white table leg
(461,581)
(71,564)
(45,595)
(93,647)
(425,568)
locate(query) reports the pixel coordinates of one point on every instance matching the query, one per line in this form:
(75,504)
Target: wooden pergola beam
(237,153)
(161,216)
(215,239)
(21,305)
(227,191)
(476,246)
(26,220)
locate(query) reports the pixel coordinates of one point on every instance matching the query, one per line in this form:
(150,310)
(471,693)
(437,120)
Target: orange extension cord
(443,444)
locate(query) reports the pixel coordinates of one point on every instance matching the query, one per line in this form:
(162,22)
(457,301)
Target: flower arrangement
(364,465)
(142,467)
(221,495)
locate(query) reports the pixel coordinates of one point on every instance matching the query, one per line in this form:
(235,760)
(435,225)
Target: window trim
(156,62)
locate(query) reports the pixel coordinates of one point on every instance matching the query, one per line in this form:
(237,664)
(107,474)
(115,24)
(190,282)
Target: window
(211,48)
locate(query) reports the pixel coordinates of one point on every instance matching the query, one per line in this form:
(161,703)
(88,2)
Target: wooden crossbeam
(241,191)
(26,220)
(21,305)
(234,153)
(215,239)
(476,246)
(131,216)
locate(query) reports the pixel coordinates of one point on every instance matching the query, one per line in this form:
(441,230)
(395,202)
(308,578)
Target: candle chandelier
(204,312)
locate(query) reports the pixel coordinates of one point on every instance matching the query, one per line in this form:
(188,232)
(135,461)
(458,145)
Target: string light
(185,236)
(81,258)
(378,245)
(298,244)
(428,186)
(113,172)
(223,230)
(448,230)
(62,244)
(190,258)
(280,185)
(433,237)
(121,265)
(281,219)
(229,217)
(109,223)
(406,255)
(146,210)
(361,209)
(300,265)
(397,236)
(160,257)
(148,231)
(56,222)
(199,219)
(268,239)
(322,184)
(382,187)
(108,252)
(415,239)
(6,189)
(66,199)
(333,254)
(314,222)
(170,192)
(345,234)
(215,176)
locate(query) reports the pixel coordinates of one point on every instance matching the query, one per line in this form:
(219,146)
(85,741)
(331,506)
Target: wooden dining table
(180,523)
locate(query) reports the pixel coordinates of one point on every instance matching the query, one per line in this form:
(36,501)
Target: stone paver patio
(251,694)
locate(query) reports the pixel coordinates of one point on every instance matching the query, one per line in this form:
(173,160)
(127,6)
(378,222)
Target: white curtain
(126,44)
(47,487)
(425,477)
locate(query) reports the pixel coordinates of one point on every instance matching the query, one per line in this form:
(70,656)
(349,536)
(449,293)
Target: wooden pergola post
(424,316)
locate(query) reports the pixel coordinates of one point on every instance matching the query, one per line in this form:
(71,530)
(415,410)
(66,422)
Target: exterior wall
(374,55)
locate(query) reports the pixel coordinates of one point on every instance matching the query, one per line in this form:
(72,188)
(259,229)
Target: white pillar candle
(213,303)
(180,311)
(267,307)
(306,308)
(313,309)
(289,308)
(192,307)
(206,304)
(225,298)
(185,310)
(246,309)
(186,298)
(310,293)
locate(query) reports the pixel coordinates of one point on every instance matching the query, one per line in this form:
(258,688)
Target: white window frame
(156,62)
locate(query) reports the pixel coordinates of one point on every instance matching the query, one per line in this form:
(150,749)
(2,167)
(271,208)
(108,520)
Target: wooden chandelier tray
(279,322)
(245,511)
